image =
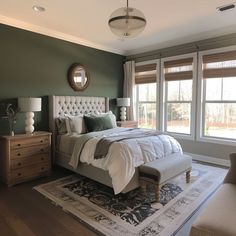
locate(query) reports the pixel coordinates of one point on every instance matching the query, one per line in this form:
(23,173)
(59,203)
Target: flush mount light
(38,8)
(127,22)
(226,7)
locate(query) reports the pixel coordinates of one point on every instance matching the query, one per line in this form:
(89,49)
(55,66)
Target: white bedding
(123,156)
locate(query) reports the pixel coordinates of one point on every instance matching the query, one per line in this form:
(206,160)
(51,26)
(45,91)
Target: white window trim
(157,61)
(199,126)
(163,98)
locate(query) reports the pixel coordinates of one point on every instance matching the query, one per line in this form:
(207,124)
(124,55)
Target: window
(145,81)
(219,97)
(178,96)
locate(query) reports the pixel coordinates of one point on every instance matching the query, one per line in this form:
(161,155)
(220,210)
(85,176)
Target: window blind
(178,69)
(145,74)
(219,65)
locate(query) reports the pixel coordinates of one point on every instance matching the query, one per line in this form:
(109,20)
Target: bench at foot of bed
(160,171)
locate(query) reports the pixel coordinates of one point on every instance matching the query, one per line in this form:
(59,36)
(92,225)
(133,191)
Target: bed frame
(73,105)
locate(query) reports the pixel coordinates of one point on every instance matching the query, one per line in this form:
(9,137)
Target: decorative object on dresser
(11,116)
(78,77)
(127,124)
(29,105)
(25,157)
(123,103)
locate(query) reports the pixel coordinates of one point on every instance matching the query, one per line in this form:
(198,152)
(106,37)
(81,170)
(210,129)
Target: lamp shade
(123,102)
(29,104)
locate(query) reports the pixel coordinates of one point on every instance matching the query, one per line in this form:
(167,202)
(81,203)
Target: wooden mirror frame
(71,73)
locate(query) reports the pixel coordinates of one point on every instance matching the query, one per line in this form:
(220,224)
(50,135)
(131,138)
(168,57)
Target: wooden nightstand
(127,124)
(24,157)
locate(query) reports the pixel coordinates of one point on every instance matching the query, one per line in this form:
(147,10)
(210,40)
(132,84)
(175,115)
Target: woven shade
(218,57)
(220,71)
(181,75)
(145,74)
(178,63)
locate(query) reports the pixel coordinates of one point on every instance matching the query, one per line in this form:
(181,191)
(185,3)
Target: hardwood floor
(25,212)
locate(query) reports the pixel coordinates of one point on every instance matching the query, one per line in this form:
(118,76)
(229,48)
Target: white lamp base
(29,122)
(123,113)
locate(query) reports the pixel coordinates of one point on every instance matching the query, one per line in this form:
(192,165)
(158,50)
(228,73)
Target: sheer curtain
(128,89)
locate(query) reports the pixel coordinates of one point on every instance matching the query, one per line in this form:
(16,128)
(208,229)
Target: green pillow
(98,123)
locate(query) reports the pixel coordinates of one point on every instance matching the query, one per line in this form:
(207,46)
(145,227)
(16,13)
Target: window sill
(180,136)
(229,142)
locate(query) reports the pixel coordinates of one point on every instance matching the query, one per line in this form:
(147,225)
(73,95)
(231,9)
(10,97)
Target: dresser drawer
(24,162)
(28,142)
(30,172)
(29,151)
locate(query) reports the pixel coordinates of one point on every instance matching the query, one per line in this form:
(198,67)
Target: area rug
(134,213)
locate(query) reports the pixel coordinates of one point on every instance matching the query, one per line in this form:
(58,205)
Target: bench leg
(188,175)
(158,193)
(143,185)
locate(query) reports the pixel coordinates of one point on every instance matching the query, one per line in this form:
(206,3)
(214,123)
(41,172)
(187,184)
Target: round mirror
(78,77)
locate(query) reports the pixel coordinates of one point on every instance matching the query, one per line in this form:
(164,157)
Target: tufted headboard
(72,105)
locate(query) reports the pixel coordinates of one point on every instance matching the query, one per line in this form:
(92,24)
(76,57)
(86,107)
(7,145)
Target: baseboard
(212,160)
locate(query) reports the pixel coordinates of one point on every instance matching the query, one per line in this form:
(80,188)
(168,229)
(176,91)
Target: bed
(59,106)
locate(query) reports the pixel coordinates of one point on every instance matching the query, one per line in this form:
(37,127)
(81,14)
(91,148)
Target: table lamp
(123,103)
(29,105)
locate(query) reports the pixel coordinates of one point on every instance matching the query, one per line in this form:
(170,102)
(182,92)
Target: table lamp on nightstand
(123,103)
(29,105)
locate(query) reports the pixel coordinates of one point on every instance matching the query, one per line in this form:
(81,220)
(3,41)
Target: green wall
(36,65)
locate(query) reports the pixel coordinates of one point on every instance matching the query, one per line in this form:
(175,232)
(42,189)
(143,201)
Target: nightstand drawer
(30,172)
(28,142)
(29,151)
(24,162)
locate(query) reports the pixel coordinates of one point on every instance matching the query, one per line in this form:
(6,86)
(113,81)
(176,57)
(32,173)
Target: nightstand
(127,124)
(24,157)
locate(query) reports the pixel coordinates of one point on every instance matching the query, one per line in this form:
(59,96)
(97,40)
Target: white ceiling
(169,22)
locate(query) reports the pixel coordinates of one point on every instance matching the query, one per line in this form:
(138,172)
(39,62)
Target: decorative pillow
(75,124)
(98,123)
(61,125)
(112,116)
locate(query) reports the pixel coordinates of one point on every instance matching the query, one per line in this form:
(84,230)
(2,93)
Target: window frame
(201,89)
(164,94)
(157,62)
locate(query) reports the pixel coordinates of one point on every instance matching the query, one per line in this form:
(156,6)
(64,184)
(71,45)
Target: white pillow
(75,124)
(112,116)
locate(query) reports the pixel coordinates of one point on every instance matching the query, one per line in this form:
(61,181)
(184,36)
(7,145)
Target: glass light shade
(123,102)
(29,104)
(127,25)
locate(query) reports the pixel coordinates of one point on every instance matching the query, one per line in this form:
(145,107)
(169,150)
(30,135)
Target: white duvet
(124,156)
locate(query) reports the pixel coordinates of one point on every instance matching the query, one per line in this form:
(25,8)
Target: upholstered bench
(160,171)
(218,217)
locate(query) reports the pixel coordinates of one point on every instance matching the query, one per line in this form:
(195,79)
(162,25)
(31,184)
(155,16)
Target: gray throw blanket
(82,140)
(103,144)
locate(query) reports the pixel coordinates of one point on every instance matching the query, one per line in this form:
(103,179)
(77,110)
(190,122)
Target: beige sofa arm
(231,175)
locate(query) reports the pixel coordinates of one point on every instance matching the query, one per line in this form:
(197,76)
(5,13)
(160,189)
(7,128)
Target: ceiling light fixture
(226,7)
(127,22)
(38,8)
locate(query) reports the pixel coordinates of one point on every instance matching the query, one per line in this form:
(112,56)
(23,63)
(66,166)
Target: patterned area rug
(134,213)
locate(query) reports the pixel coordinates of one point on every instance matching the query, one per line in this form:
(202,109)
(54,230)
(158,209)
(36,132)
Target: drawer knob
(42,150)
(19,164)
(19,174)
(18,144)
(41,141)
(18,154)
(42,168)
